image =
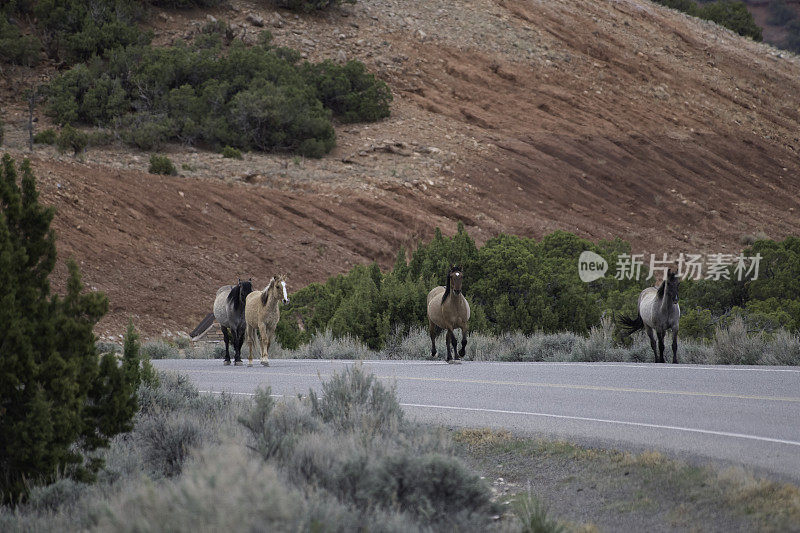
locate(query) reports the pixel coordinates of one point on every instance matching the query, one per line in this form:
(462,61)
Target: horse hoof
(265,363)
(226,362)
(249,365)
(450,362)
(455,362)
(238,363)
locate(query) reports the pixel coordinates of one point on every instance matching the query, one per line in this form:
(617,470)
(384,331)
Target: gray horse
(229,312)
(659,311)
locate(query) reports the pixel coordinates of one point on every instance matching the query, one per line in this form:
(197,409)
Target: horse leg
(238,340)
(675,346)
(448,341)
(434,331)
(661,335)
(652,342)
(227,340)
(250,333)
(463,349)
(262,330)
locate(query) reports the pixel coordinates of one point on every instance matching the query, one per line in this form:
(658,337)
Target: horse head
(277,289)
(455,277)
(453,282)
(672,285)
(280,285)
(669,287)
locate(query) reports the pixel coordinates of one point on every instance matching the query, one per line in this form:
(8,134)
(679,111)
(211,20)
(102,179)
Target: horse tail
(631,325)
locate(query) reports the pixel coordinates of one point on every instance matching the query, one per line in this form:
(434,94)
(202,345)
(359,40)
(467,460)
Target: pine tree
(58,402)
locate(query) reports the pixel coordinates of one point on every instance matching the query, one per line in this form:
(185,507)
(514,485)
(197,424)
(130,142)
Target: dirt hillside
(605,118)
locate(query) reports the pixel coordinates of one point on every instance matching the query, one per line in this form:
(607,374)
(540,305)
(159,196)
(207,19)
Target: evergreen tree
(58,403)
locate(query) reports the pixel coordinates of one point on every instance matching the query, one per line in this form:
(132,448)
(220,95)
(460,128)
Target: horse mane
(454,268)
(238,293)
(662,289)
(234,297)
(265,292)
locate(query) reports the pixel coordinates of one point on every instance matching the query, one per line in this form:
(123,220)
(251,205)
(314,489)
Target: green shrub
(307,6)
(231,153)
(147,131)
(71,139)
(17,48)
(100,138)
(511,283)
(697,323)
(76,31)
(246,98)
(732,15)
(352,93)
(47,136)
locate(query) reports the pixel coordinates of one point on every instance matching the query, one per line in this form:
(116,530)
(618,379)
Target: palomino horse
(262,314)
(448,309)
(659,311)
(229,312)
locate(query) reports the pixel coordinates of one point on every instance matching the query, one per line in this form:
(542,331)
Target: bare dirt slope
(605,118)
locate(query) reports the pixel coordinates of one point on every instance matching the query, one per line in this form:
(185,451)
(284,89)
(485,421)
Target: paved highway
(746,416)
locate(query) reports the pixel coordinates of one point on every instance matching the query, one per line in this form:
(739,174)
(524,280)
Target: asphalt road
(747,416)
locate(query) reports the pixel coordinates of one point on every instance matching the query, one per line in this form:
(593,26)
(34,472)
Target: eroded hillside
(604,118)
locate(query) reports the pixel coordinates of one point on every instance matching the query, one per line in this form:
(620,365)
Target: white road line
(236,393)
(605,421)
(641,366)
(568,417)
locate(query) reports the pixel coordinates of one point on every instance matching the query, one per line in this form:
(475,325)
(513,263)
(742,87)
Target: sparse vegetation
(71,139)
(48,136)
(161,164)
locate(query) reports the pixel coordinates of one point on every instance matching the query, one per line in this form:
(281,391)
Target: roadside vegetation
(346,460)
(529,291)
